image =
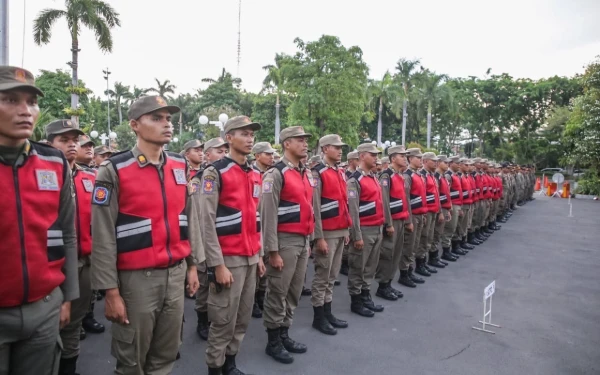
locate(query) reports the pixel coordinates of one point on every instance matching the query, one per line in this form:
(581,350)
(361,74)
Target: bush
(589,184)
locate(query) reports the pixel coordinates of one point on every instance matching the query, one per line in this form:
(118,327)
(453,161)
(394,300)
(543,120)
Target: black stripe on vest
(229,221)
(56,246)
(288,216)
(133,233)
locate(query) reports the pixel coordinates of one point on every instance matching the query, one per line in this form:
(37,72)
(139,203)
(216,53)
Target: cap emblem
(20,75)
(160,101)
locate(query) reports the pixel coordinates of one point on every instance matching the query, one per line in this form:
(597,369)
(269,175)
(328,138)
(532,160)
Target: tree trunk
(277,121)
(75,80)
(404,116)
(120,111)
(380,121)
(429,124)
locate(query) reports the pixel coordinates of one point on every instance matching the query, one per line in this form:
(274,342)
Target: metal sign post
(542,188)
(488,292)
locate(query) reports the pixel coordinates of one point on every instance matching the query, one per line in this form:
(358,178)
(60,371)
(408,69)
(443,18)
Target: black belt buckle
(171,266)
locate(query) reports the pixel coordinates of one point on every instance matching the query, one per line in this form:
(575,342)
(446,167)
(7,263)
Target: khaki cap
(331,140)
(396,150)
(454,159)
(443,158)
(466,161)
(263,147)
(61,127)
(101,150)
(483,161)
(385,160)
(414,152)
(368,147)
(430,156)
(378,162)
(476,160)
(276,155)
(352,155)
(194,143)
(149,104)
(315,159)
(12,77)
(293,132)
(239,122)
(215,142)
(85,139)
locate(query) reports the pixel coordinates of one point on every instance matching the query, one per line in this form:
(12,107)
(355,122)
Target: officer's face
(369,160)
(333,153)
(215,153)
(297,146)
(416,162)
(353,163)
(195,155)
(18,113)
(443,166)
(241,140)
(429,164)
(399,160)
(154,127)
(85,154)
(68,143)
(98,159)
(265,158)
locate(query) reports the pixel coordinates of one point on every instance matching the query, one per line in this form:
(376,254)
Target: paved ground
(546,266)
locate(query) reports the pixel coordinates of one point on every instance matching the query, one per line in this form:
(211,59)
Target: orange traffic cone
(537,184)
(545,181)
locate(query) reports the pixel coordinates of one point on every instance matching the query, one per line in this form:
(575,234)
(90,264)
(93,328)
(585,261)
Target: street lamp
(94,134)
(106,74)
(219,124)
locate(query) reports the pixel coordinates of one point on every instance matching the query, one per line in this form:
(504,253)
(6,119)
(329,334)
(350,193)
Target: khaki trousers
(154,302)
(29,339)
(485,212)
(363,263)
(202,293)
(462,228)
(450,226)
(229,312)
(79,308)
(411,241)
(327,267)
(471,222)
(426,235)
(391,252)
(438,230)
(284,287)
(261,282)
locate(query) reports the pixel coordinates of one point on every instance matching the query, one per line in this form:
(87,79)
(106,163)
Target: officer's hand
(65,314)
(223,276)
(321,246)
(461,213)
(114,307)
(389,231)
(449,217)
(440,218)
(346,240)
(193,282)
(358,245)
(275,260)
(410,227)
(261,270)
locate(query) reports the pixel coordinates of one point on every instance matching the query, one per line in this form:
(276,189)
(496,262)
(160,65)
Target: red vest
(431,192)
(32,251)
(444,191)
(479,185)
(398,207)
(474,189)
(295,211)
(152,226)
(467,188)
(334,198)
(238,220)
(456,189)
(487,186)
(370,205)
(84,180)
(418,198)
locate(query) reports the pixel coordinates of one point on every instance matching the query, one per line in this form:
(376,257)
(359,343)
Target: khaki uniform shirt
(317,191)
(104,274)
(66,218)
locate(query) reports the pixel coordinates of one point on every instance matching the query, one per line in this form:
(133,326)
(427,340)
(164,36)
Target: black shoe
(275,348)
(502,219)
(465,245)
(337,283)
(82,334)
(471,240)
(406,280)
(335,322)
(320,323)
(486,230)
(429,269)
(215,371)
(368,302)
(289,344)
(357,307)
(478,235)
(256,312)
(91,325)
(306,291)
(415,279)
(68,366)
(203,326)
(420,269)
(344,268)
(229,367)
(457,250)
(447,255)
(384,292)
(178,356)
(434,260)
(496,226)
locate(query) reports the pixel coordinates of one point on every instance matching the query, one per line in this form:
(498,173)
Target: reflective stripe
(54,159)
(416,200)
(330,206)
(133,232)
(126,163)
(430,198)
(227,167)
(228,223)
(228,218)
(454,194)
(55,233)
(257,216)
(56,242)
(396,204)
(366,207)
(465,193)
(183,217)
(125,227)
(288,210)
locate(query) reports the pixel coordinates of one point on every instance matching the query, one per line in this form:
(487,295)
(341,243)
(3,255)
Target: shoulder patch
(352,193)
(102,193)
(267,186)
(384,180)
(208,184)
(193,187)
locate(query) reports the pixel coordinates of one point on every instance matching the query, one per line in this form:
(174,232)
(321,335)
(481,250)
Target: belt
(171,266)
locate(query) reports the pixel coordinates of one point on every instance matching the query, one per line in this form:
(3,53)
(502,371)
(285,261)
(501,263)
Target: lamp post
(106,74)
(219,124)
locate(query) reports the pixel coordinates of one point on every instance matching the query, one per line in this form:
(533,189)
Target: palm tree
(224,77)
(432,90)
(120,92)
(405,70)
(163,88)
(138,93)
(96,15)
(274,81)
(380,93)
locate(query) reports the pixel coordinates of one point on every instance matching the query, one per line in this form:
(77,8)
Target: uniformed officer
(396,210)
(85,151)
(39,248)
(227,200)
(332,220)
(366,210)
(385,163)
(352,159)
(447,209)
(101,153)
(263,153)
(193,151)
(287,219)
(459,190)
(276,157)
(314,160)
(140,250)
(378,166)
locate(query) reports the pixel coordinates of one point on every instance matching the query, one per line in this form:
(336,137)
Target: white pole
(4,32)
(570,210)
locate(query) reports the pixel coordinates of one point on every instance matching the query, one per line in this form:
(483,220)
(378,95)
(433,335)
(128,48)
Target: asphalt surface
(546,267)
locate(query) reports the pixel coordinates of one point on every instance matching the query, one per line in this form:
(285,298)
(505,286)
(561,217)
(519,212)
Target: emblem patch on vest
(352,193)
(256,192)
(102,193)
(267,186)
(385,181)
(87,185)
(179,176)
(208,185)
(47,180)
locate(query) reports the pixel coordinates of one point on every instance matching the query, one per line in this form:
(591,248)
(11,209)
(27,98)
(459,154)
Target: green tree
(273,82)
(96,15)
(432,90)
(380,93)
(138,93)
(55,84)
(163,88)
(120,93)
(405,69)
(126,138)
(221,92)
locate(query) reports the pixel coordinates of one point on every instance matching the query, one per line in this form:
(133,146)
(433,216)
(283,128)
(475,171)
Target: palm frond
(106,12)
(42,25)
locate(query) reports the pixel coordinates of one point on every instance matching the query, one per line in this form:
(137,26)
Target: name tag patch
(102,193)
(256,192)
(179,176)
(88,186)
(47,180)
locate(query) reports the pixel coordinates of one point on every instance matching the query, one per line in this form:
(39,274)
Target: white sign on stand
(488,292)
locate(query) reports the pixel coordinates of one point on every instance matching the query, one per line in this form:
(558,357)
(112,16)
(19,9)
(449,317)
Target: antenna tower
(239,44)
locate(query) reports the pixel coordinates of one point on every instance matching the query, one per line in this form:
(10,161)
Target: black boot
(395,291)
(431,270)
(456,249)
(68,366)
(357,307)
(406,280)
(472,240)
(275,347)
(344,267)
(203,326)
(256,312)
(289,344)
(487,230)
(215,371)
(320,323)
(479,235)
(465,245)
(415,278)
(434,259)
(447,255)
(421,270)
(335,322)
(306,291)
(230,368)
(496,226)
(384,292)
(368,302)
(90,324)
(260,298)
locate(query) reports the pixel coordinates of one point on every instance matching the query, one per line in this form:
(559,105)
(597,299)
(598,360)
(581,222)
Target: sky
(187,40)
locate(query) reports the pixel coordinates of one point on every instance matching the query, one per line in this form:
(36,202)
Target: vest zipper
(22,237)
(164,195)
